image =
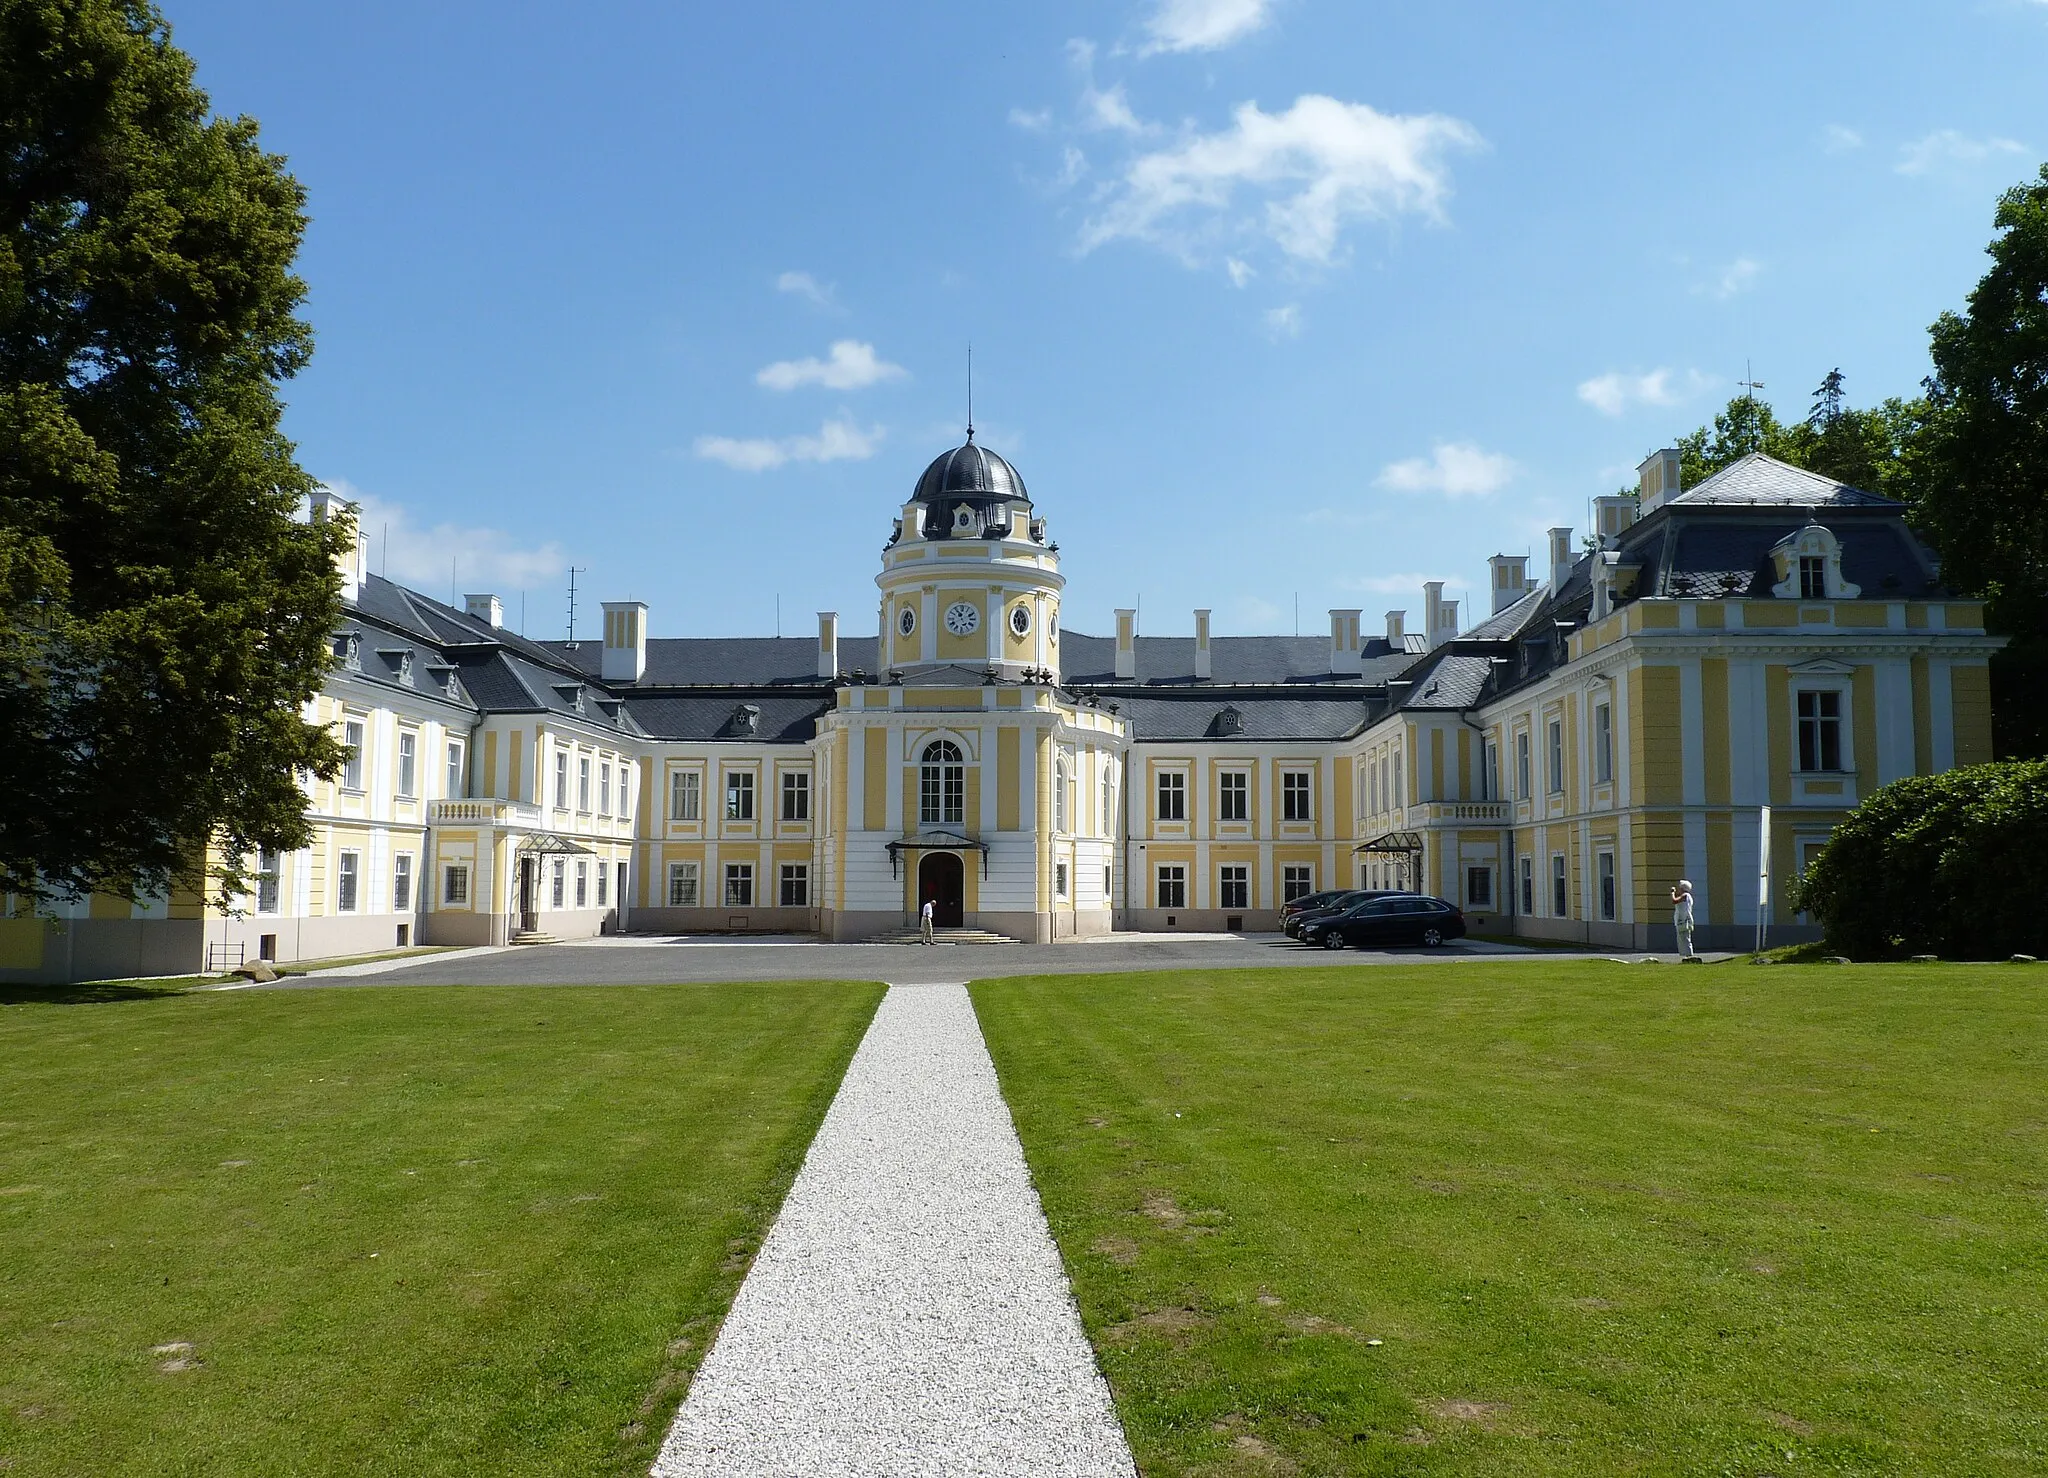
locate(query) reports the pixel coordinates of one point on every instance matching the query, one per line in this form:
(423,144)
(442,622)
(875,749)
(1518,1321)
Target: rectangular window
(1522,786)
(583,783)
(624,809)
(1559,904)
(796,885)
(1233,797)
(408,764)
(1603,743)
(1528,886)
(1173,887)
(455,883)
(352,763)
(603,873)
(345,882)
(561,780)
(1479,887)
(1173,796)
(1813,577)
(458,773)
(685,795)
(582,883)
(1294,801)
(1106,889)
(1556,756)
(1059,880)
(269,877)
(559,889)
(1604,861)
(1489,770)
(1820,729)
(739,884)
(1296,882)
(1234,887)
(401,883)
(604,790)
(682,885)
(796,796)
(739,796)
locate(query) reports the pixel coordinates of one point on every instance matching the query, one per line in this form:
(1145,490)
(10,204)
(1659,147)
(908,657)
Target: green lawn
(1543,1217)
(396,1231)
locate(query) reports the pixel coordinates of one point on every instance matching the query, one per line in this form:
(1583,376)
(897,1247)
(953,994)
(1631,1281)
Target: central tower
(968,579)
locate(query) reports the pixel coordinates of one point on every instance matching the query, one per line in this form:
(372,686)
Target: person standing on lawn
(1681,917)
(924,921)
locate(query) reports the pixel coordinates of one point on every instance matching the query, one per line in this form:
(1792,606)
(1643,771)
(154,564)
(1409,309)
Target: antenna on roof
(1750,383)
(574,571)
(970,389)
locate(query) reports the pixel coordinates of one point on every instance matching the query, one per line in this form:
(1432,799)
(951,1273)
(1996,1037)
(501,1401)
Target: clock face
(1020,620)
(962,619)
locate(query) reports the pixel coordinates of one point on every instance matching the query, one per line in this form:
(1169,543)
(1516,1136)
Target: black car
(1405,918)
(1308,903)
(1341,903)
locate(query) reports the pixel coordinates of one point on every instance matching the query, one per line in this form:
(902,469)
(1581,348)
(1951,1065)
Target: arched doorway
(942,881)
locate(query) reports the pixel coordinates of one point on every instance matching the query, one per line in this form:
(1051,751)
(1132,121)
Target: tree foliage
(1953,864)
(163,614)
(1982,491)
(1871,449)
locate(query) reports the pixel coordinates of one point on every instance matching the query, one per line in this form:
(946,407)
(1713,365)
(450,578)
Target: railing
(1471,811)
(222,956)
(483,813)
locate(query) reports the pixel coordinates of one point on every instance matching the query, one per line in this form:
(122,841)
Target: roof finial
(970,389)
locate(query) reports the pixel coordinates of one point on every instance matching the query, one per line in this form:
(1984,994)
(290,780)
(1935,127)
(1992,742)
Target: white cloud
(418,555)
(1613,393)
(1073,165)
(1739,276)
(838,440)
(1241,272)
(1839,138)
(1946,147)
(1283,322)
(806,286)
(1319,165)
(1110,110)
(1031,121)
(852,366)
(1204,25)
(1453,469)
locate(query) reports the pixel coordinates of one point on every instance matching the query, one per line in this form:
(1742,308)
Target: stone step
(533,936)
(910,934)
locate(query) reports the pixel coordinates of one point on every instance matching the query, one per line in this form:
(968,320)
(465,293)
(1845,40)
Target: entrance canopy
(1393,841)
(936,841)
(548,843)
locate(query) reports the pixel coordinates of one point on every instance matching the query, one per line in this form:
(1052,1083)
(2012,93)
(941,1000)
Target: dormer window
(1813,577)
(1809,566)
(963,520)
(348,650)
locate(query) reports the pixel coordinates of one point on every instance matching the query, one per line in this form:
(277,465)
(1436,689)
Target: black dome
(970,471)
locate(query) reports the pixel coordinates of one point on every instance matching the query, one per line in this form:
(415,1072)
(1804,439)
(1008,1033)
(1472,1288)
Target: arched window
(1062,777)
(942,784)
(1109,827)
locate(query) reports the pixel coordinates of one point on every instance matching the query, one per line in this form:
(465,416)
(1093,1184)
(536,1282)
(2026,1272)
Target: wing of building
(1767,638)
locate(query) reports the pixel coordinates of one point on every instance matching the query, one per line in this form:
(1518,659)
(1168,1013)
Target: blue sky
(1271,300)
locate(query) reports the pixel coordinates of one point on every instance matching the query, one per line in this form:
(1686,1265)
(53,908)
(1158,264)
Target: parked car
(1309,903)
(1405,918)
(1342,903)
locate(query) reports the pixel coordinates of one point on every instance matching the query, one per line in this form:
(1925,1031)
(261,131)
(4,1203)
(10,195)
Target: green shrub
(1953,864)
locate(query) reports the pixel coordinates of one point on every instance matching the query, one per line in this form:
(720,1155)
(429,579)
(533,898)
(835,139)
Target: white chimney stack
(1432,612)
(1657,479)
(625,641)
(1612,513)
(1450,615)
(349,562)
(828,644)
(1203,665)
(1127,643)
(1346,651)
(1510,579)
(485,608)
(1560,558)
(1397,630)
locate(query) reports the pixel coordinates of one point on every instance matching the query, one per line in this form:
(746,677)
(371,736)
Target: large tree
(163,613)
(1982,483)
(1869,449)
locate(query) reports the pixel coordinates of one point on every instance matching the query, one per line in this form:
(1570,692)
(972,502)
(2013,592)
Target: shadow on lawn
(90,993)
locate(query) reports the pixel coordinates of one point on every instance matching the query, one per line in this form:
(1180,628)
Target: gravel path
(908,1314)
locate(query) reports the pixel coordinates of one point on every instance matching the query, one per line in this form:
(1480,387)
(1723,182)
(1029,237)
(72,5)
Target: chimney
(1127,643)
(1432,612)
(1611,515)
(1657,479)
(485,608)
(325,504)
(1202,663)
(1397,630)
(1560,558)
(1345,655)
(625,641)
(1510,579)
(1450,621)
(828,644)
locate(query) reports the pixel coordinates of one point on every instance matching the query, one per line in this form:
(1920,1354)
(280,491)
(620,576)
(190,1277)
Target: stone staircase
(909,934)
(533,936)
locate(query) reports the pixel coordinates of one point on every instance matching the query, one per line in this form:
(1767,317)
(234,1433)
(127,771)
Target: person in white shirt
(924,921)
(1681,916)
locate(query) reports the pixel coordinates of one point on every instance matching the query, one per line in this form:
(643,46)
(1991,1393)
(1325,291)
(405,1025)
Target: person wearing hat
(1681,917)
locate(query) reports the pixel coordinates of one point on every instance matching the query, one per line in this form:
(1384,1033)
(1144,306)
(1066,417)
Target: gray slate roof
(1759,479)
(1091,660)
(1452,681)
(724,661)
(1268,717)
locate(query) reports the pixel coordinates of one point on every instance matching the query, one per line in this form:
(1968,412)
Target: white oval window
(1020,619)
(907,622)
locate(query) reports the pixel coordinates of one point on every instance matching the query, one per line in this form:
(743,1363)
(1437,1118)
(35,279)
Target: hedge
(1953,864)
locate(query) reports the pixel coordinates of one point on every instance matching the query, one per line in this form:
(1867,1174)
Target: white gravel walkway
(908,1314)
